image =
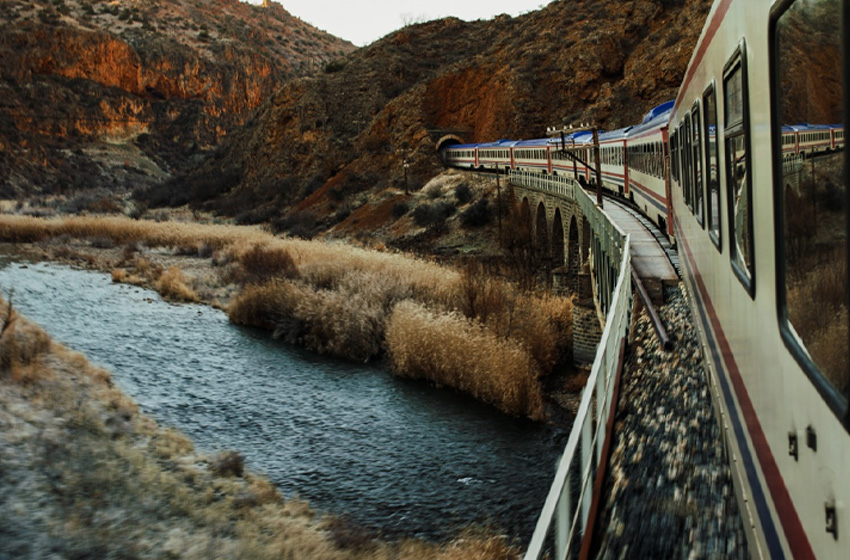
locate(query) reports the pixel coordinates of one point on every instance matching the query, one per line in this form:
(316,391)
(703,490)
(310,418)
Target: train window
(687,174)
(810,193)
(710,133)
(739,180)
(699,197)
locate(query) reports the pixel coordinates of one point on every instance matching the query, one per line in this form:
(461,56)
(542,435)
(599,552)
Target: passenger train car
(747,172)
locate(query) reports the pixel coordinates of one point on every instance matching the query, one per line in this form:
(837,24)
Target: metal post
(598,167)
(498,203)
(406,165)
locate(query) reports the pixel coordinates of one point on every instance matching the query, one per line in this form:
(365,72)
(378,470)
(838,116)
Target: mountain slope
(339,138)
(122,93)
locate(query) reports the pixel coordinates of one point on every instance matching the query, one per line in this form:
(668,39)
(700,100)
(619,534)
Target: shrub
(433,216)
(261,263)
(172,285)
(450,350)
(228,463)
(478,214)
(299,224)
(400,209)
(463,193)
(21,343)
(334,66)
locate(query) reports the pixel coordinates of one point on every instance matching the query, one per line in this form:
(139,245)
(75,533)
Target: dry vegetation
(86,476)
(339,299)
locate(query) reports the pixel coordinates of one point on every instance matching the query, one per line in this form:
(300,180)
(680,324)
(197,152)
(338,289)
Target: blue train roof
(617,134)
(659,118)
(532,142)
(655,112)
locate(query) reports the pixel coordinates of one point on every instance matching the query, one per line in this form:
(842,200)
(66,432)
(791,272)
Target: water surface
(397,456)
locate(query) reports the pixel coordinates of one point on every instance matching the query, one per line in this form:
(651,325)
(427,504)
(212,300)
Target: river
(398,457)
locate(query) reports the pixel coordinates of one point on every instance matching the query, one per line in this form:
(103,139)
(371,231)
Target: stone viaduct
(557,213)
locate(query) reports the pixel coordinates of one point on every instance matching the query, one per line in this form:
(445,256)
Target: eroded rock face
(124,93)
(327,139)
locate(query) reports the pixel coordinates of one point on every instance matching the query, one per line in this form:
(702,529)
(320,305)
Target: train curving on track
(755,196)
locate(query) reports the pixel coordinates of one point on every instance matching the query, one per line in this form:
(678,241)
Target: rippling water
(397,456)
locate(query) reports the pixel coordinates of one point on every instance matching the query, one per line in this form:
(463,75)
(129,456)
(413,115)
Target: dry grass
(104,481)
(332,297)
(817,308)
(172,285)
(22,344)
(453,351)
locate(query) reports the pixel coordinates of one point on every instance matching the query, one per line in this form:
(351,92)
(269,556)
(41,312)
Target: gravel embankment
(669,490)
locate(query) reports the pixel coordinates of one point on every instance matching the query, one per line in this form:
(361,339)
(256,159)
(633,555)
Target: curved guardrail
(566,511)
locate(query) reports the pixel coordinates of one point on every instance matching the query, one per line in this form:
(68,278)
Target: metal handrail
(562,509)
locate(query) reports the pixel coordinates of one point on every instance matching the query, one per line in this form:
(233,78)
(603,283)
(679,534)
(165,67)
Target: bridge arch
(585,243)
(558,241)
(574,262)
(541,231)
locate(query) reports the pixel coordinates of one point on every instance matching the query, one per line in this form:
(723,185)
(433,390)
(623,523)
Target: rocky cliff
(324,141)
(123,93)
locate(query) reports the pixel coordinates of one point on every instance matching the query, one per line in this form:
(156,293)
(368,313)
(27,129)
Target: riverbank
(84,474)
(333,297)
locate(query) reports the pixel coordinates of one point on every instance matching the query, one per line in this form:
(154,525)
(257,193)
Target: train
(746,172)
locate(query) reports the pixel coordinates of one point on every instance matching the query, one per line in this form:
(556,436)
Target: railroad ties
(653,258)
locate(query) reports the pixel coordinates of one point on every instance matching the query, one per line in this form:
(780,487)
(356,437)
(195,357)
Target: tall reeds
(451,350)
(341,300)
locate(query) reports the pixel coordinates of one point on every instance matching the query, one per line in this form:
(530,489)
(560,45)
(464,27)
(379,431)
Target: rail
(567,507)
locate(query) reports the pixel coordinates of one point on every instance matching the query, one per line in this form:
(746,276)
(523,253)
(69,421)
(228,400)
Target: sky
(363,22)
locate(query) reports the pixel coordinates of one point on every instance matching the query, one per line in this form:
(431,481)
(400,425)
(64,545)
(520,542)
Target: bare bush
(261,263)
(172,285)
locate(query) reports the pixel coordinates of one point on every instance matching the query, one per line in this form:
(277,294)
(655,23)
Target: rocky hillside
(337,140)
(122,93)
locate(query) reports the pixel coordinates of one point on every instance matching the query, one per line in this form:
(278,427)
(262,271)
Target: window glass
(811,189)
(713,185)
(688,173)
(737,174)
(698,194)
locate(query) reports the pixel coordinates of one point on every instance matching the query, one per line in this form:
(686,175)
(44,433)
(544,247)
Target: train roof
(654,119)
(503,143)
(617,134)
(655,112)
(534,142)
(803,127)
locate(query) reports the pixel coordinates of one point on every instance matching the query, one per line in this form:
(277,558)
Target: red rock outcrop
(150,84)
(347,131)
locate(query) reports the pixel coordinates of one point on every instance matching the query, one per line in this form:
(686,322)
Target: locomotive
(746,172)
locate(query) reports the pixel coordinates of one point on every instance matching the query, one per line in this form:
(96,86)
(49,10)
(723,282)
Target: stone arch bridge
(585,249)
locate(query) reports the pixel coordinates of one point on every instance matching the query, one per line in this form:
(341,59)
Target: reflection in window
(813,192)
(737,173)
(713,207)
(698,194)
(689,180)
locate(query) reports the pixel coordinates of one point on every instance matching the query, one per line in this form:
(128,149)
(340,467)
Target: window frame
(717,238)
(687,173)
(831,395)
(737,61)
(698,163)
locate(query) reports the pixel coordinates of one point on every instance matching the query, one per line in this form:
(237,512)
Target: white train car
(646,157)
(765,261)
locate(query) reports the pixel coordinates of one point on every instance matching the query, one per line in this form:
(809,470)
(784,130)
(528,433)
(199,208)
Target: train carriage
(757,204)
(757,241)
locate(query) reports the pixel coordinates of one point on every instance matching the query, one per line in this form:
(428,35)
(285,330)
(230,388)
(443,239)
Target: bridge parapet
(566,511)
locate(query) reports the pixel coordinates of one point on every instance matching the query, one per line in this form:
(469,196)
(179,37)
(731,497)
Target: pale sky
(363,22)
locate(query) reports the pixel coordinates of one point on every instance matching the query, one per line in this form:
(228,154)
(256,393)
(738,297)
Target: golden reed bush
(451,350)
(333,297)
(21,345)
(172,285)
